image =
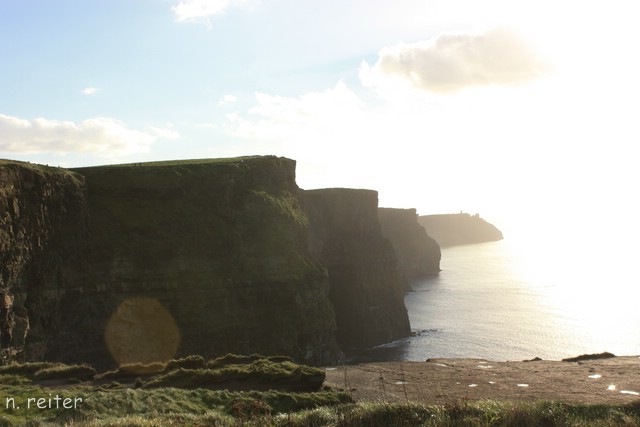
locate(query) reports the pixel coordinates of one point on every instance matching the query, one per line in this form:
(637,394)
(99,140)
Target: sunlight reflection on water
(507,301)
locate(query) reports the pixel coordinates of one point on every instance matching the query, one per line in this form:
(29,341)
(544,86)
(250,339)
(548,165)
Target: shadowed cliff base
(366,287)
(459,229)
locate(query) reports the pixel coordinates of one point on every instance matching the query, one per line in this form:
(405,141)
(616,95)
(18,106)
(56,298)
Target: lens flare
(141,330)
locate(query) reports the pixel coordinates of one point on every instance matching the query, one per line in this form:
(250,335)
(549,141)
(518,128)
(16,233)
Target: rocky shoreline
(445,381)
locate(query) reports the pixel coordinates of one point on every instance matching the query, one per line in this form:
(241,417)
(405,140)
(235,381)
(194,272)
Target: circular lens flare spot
(141,330)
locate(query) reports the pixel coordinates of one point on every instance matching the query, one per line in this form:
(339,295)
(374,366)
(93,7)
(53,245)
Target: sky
(524,112)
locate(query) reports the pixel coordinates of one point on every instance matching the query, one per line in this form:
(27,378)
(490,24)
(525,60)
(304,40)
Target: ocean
(507,301)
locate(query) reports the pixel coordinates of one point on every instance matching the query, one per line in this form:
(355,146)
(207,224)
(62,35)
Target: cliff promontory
(459,229)
(149,261)
(418,254)
(366,287)
(203,257)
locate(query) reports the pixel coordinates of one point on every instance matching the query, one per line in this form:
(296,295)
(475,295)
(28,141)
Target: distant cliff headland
(459,229)
(418,253)
(139,262)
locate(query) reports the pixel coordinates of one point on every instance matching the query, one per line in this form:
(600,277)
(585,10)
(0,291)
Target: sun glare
(584,270)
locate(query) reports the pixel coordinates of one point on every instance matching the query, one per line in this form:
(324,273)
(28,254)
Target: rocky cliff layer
(43,235)
(212,253)
(159,260)
(135,263)
(366,287)
(418,254)
(459,229)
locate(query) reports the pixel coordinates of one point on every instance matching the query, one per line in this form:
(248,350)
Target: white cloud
(498,145)
(315,113)
(201,10)
(324,131)
(452,62)
(103,136)
(227,99)
(164,133)
(90,90)
(206,125)
(188,10)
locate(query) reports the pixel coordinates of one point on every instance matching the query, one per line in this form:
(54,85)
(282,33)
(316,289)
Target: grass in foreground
(252,372)
(261,374)
(172,407)
(171,395)
(87,405)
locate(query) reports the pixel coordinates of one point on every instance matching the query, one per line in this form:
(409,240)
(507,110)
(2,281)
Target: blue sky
(520,110)
(141,63)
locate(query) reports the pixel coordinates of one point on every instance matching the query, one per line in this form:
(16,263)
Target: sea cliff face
(215,251)
(418,254)
(459,229)
(145,262)
(43,234)
(366,287)
(140,262)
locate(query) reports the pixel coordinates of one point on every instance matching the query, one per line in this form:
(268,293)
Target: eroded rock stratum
(125,263)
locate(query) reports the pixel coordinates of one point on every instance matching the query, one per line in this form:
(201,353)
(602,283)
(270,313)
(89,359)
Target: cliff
(215,252)
(43,231)
(366,288)
(158,260)
(151,261)
(418,254)
(459,229)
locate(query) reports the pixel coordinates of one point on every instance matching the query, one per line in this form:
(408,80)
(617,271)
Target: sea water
(505,301)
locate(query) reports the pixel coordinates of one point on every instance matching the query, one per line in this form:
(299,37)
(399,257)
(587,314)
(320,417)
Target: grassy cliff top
(187,162)
(220,174)
(343,191)
(44,171)
(35,167)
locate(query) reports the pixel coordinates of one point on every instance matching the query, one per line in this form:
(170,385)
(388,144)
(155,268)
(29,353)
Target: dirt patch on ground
(441,381)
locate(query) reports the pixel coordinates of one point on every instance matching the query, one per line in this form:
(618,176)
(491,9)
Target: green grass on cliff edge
(206,161)
(43,170)
(32,166)
(219,161)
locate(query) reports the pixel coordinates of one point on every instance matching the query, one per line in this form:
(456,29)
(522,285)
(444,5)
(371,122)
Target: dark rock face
(459,229)
(43,234)
(171,259)
(366,288)
(418,254)
(137,263)
(220,245)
